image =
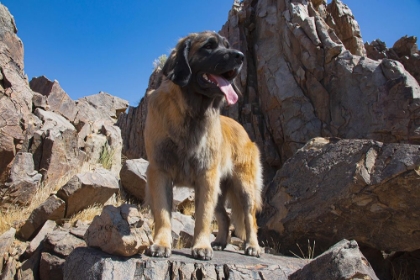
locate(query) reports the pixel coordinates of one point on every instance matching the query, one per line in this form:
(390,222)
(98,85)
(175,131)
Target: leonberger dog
(188,143)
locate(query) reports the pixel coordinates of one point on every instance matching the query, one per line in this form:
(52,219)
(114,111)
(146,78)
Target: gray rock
(334,189)
(36,242)
(57,99)
(61,243)
(86,189)
(88,263)
(52,209)
(50,267)
(342,261)
(133,177)
(6,240)
(114,231)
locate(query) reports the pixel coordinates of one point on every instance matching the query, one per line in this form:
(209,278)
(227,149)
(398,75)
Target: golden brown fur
(188,143)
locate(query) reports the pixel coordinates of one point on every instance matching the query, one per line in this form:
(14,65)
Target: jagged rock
(346,27)
(133,177)
(300,82)
(23,182)
(132,123)
(15,94)
(102,144)
(182,230)
(112,105)
(50,267)
(61,243)
(333,189)
(342,261)
(86,189)
(88,263)
(6,240)
(54,141)
(37,242)
(57,99)
(405,50)
(9,271)
(98,107)
(115,231)
(52,209)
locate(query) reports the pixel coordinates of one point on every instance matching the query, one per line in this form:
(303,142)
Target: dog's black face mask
(205,63)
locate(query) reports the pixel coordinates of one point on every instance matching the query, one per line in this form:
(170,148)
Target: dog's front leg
(206,193)
(160,196)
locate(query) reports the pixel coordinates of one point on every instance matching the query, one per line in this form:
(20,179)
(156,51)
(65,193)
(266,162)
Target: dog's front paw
(158,251)
(218,246)
(253,251)
(202,253)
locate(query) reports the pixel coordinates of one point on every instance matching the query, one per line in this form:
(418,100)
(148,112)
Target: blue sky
(110,45)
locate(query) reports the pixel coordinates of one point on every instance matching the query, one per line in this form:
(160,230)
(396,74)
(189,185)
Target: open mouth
(223,82)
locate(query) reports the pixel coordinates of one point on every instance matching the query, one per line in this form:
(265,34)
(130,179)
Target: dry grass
(310,251)
(188,208)
(86,215)
(15,216)
(106,156)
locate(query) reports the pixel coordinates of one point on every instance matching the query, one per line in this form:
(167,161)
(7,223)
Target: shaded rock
(133,177)
(405,264)
(15,95)
(30,267)
(88,263)
(23,182)
(37,242)
(342,261)
(132,123)
(114,231)
(61,243)
(50,267)
(6,240)
(57,99)
(86,189)
(9,271)
(52,209)
(333,189)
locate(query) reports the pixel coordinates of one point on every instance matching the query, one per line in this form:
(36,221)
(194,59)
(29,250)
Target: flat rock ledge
(90,263)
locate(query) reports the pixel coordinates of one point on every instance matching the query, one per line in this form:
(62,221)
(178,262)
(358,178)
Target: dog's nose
(239,56)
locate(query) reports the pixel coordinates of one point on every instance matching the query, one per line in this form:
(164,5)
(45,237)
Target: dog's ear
(177,68)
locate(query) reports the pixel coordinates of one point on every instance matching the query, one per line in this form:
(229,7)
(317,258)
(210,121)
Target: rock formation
(339,134)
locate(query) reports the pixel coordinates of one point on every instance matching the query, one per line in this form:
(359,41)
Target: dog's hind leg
(206,193)
(159,194)
(223,221)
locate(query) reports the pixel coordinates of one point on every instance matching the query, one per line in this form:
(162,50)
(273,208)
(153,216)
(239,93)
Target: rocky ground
(337,122)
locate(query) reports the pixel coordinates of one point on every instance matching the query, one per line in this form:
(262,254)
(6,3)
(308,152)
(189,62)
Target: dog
(188,143)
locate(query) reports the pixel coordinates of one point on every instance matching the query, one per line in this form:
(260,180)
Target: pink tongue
(226,88)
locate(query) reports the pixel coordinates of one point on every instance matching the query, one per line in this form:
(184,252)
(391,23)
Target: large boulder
(333,189)
(115,231)
(300,81)
(86,189)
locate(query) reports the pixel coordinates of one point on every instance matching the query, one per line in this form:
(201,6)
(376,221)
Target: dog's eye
(208,46)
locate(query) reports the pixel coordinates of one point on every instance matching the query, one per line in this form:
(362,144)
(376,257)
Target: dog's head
(205,63)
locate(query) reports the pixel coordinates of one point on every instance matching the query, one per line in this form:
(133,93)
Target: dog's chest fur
(186,153)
